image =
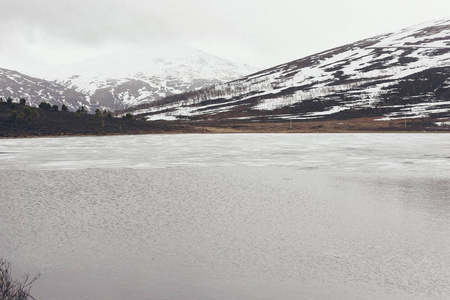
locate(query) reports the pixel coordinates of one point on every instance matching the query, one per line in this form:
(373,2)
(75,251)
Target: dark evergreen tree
(13,116)
(30,114)
(45,105)
(82,110)
(128,116)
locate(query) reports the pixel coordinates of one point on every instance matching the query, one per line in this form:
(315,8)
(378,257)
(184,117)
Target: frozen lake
(245,216)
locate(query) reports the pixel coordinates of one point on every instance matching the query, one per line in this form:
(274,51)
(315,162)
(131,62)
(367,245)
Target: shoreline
(359,125)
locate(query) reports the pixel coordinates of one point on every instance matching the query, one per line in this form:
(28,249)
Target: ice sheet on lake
(356,152)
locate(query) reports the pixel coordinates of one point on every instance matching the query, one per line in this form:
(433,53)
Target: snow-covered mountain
(34,90)
(130,76)
(397,75)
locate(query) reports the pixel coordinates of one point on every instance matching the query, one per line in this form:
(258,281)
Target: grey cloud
(268,31)
(85,21)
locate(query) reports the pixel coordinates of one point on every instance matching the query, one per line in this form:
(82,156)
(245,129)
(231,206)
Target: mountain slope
(14,84)
(397,75)
(129,76)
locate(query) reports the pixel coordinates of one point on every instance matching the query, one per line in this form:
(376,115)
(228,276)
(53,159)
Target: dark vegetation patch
(379,65)
(426,84)
(18,120)
(437,51)
(404,60)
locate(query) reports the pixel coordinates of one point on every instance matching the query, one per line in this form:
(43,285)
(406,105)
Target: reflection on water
(279,217)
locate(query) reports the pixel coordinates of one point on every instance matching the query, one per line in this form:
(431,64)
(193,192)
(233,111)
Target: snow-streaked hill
(128,76)
(402,74)
(34,90)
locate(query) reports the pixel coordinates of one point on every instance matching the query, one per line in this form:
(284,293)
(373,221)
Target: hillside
(35,90)
(393,76)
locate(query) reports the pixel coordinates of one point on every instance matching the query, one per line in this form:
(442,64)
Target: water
(257,216)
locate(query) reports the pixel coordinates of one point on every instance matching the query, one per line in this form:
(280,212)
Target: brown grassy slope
(366,124)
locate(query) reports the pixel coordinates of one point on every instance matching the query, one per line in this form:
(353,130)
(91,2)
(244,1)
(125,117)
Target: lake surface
(245,216)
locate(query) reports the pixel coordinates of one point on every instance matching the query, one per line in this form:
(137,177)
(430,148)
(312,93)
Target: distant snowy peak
(130,76)
(172,60)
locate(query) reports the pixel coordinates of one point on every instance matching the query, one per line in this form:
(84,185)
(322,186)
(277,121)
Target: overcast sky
(262,33)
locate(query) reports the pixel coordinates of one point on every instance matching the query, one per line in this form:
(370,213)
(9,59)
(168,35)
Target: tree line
(29,114)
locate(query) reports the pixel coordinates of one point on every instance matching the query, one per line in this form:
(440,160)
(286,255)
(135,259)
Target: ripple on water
(207,217)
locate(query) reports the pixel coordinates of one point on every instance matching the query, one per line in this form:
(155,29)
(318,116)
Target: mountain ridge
(123,78)
(404,74)
(130,76)
(35,90)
